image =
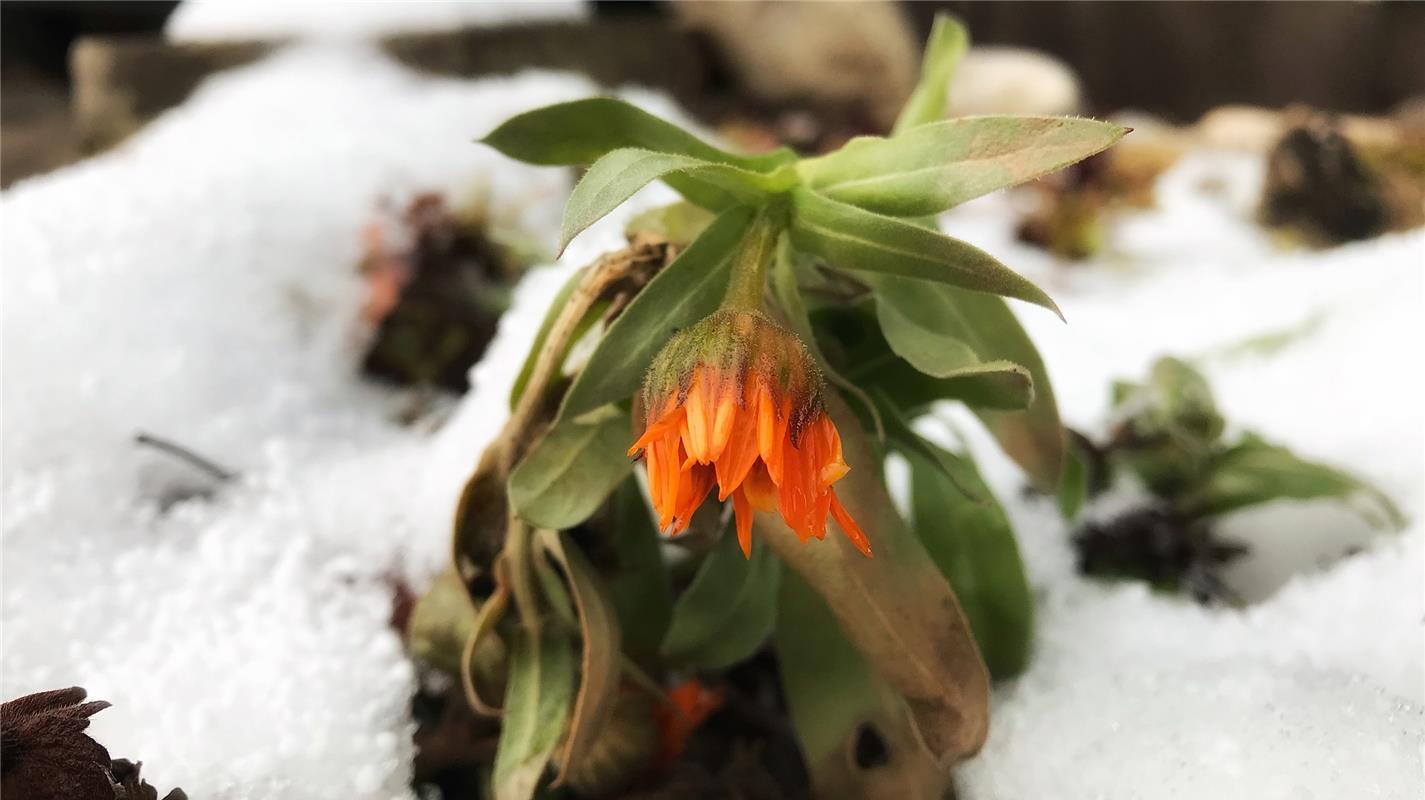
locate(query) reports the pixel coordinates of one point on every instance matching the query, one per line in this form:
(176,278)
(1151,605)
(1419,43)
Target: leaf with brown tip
(895,608)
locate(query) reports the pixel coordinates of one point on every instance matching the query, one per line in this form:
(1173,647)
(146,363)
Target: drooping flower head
(736,401)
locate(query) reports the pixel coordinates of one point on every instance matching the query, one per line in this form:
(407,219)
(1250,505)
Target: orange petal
(759,489)
(771,432)
(849,526)
(695,434)
(742,509)
(738,458)
(669,423)
(797,492)
(722,425)
(693,486)
(672,483)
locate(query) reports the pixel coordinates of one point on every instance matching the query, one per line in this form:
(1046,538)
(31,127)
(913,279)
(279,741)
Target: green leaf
(906,440)
(541,686)
(581,132)
(974,547)
(828,685)
(1074,487)
(935,352)
(835,701)
(1255,472)
(441,623)
(947,45)
(641,590)
(1034,438)
(728,610)
(566,475)
(684,292)
(615,177)
(565,292)
(601,664)
(680,223)
(938,166)
(850,238)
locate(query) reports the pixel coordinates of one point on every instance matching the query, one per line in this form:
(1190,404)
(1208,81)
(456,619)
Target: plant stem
(749,271)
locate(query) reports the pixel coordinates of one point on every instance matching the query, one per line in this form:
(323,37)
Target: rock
(1013,80)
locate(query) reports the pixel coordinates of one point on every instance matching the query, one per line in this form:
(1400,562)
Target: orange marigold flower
(688,705)
(735,401)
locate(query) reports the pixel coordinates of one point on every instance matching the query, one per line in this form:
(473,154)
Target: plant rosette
(781,357)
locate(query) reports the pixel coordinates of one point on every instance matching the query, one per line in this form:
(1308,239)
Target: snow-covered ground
(199,283)
(227,20)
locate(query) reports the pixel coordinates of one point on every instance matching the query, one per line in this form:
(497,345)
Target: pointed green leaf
(851,238)
(947,45)
(685,291)
(537,701)
(1255,472)
(906,440)
(938,166)
(567,475)
(1000,384)
(582,131)
(728,610)
(616,176)
(975,549)
(1034,438)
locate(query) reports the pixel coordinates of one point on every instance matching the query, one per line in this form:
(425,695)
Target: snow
(199,283)
(1317,690)
(226,20)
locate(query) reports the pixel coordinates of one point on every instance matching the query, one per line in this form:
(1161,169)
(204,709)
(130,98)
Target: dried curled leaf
(601,662)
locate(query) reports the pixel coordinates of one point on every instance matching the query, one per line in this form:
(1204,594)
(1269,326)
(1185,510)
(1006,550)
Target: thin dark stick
(184,454)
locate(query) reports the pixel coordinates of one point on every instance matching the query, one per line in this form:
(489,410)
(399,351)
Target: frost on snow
(199,283)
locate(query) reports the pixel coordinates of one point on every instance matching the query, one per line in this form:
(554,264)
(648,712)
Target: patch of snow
(1315,692)
(1233,729)
(200,283)
(229,20)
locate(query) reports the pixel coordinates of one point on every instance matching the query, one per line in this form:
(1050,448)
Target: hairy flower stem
(749,272)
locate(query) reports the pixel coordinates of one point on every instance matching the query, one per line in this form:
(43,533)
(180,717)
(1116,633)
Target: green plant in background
(1168,433)
(864,317)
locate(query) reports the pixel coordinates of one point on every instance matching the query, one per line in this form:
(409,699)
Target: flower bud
(736,401)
